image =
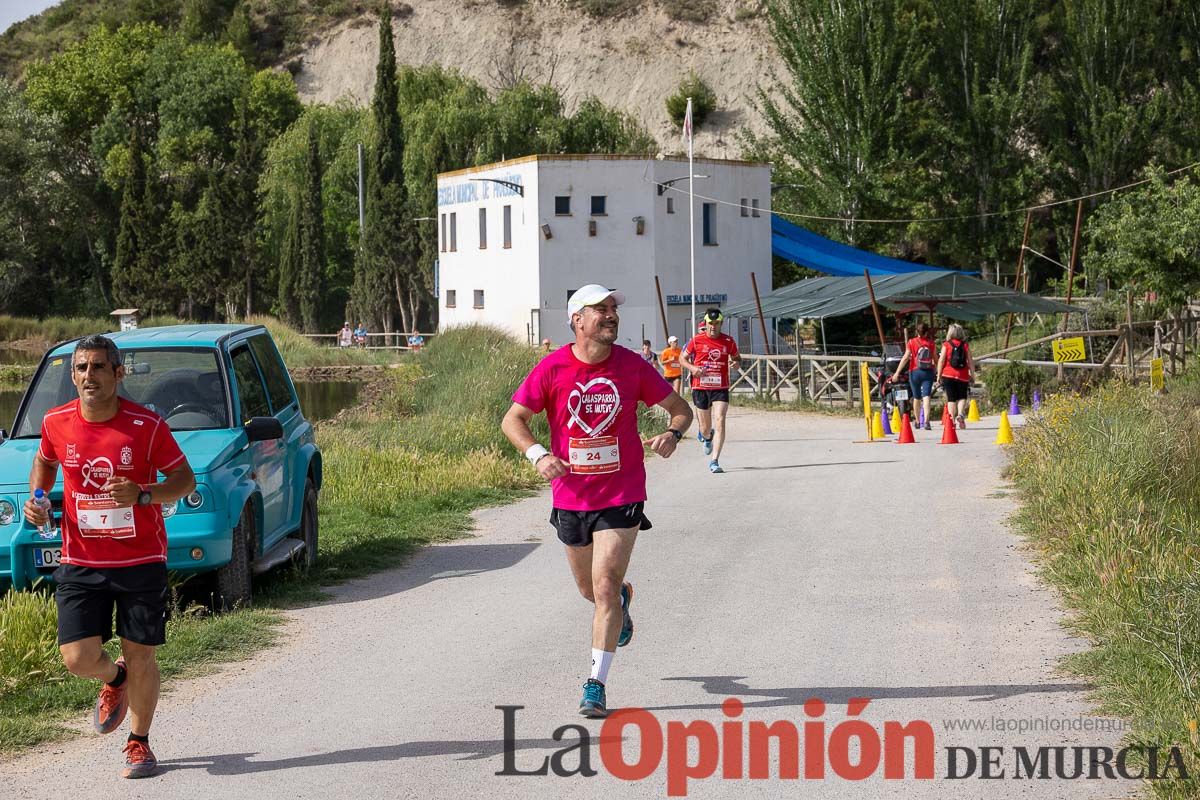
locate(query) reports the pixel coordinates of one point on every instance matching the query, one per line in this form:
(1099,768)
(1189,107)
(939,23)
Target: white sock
(601,661)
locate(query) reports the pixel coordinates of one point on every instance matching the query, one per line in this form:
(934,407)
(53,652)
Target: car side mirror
(3,434)
(263,429)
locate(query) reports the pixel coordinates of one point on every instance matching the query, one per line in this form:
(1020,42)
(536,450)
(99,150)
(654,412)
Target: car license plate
(47,557)
(901,395)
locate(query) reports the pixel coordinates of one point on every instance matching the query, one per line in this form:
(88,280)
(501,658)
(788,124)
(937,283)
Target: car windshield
(184,386)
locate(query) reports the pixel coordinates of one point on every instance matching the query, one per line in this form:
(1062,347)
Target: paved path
(804,571)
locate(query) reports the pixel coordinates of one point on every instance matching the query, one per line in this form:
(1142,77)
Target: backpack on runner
(924,357)
(958,353)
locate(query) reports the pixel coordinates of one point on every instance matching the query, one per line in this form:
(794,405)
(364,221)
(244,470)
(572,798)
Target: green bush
(704,101)
(1004,379)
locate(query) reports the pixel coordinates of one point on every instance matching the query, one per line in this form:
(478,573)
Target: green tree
(291,263)
(137,277)
(386,271)
(310,278)
(704,101)
(837,113)
(1148,239)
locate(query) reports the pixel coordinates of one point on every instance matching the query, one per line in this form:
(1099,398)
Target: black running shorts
(87,597)
(955,389)
(704,398)
(575,528)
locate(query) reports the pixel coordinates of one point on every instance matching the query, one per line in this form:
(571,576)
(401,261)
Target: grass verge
(1110,485)
(400,474)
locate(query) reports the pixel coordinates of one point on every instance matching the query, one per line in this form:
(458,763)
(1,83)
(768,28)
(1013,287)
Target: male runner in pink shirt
(590,392)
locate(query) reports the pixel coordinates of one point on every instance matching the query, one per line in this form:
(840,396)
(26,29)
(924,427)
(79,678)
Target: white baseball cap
(672,339)
(590,295)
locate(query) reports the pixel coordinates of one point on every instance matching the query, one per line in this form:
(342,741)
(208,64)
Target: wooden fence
(1128,349)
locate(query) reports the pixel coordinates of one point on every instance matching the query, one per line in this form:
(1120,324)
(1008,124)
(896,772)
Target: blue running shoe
(593,704)
(714,467)
(708,444)
(699,436)
(626,635)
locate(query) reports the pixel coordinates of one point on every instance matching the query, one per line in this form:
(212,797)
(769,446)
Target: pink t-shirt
(592,411)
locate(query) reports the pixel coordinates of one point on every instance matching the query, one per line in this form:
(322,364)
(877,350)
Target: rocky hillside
(632,60)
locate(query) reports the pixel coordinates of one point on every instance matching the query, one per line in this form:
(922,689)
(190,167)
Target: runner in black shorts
(590,392)
(708,358)
(114,550)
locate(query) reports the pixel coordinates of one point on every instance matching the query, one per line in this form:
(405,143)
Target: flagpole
(691,219)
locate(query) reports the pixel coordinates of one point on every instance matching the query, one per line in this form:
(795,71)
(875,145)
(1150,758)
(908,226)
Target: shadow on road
(734,686)
(804,466)
(433,563)
(242,763)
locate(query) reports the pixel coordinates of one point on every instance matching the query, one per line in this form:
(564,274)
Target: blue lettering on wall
(471,191)
(686,299)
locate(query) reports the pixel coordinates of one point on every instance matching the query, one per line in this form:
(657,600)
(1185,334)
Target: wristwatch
(677,434)
(143,497)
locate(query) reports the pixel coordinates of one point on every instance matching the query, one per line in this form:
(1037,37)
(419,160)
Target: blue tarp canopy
(807,249)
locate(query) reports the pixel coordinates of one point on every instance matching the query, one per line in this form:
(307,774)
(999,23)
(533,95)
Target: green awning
(952,295)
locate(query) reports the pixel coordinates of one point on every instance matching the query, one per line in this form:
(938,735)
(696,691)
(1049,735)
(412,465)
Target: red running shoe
(139,761)
(111,705)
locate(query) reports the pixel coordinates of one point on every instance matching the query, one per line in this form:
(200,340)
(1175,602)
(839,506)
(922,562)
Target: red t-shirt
(914,352)
(712,356)
(592,411)
(135,444)
(958,373)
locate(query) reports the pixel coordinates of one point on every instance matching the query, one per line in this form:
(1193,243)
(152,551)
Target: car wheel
(309,524)
(234,579)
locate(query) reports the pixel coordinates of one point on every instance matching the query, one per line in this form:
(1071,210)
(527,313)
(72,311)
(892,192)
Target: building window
(745,207)
(483,229)
(710,223)
(562,205)
(507,236)
(479,298)
(598,205)
(754,207)
(453,232)
(451,298)
(670,205)
(443,233)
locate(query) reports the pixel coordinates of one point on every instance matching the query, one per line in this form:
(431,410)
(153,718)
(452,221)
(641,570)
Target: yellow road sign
(1069,350)
(1156,374)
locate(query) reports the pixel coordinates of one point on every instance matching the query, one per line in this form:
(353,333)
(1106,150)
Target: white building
(518,236)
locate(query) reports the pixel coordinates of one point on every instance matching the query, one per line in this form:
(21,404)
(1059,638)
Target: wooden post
(1074,252)
(762,323)
(1129,355)
(662,309)
(878,320)
(1020,271)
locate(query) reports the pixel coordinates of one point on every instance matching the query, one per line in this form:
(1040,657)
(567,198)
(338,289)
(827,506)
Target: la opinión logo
(852,750)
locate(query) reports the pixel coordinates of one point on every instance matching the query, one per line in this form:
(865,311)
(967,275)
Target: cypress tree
(135,278)
(287,304)
(387,259)
(310,279)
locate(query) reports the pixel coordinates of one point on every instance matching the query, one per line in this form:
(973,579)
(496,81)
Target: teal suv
(228,398)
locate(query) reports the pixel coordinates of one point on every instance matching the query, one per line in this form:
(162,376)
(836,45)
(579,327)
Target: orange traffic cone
(906,434)
(948,434)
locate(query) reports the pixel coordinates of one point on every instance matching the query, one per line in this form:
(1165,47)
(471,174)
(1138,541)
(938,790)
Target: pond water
(319,400)
(12,355)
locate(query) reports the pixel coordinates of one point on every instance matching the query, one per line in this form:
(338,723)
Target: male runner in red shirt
(114,542)
(708,358)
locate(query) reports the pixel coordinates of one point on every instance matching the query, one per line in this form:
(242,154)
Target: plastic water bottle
(46,529)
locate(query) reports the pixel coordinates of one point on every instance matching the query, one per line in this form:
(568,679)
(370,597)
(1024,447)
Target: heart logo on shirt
(585,400)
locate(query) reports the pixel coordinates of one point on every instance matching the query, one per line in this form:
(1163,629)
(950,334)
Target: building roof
(555,157)
(951,294)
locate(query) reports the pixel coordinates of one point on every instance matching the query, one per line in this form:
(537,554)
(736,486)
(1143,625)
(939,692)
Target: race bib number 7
(595,456)
(102,518)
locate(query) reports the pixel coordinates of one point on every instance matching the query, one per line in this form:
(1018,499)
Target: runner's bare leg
(599,570)
(719,409)
(87,659)
(142,669)
(705,415)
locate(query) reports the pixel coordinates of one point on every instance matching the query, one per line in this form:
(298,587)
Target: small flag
(687,127)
